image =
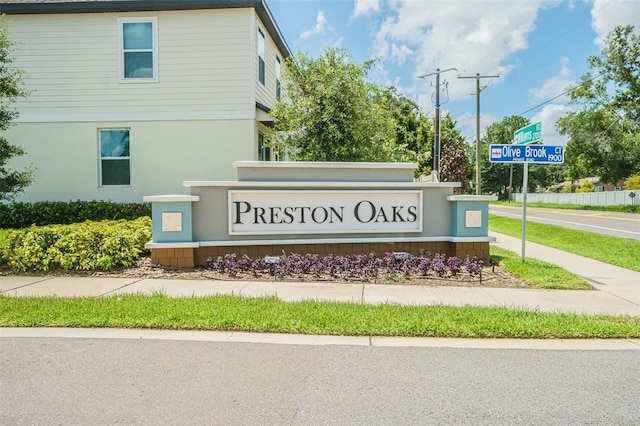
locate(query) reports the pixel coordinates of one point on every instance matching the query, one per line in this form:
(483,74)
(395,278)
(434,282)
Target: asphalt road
(73,381)
(621,225)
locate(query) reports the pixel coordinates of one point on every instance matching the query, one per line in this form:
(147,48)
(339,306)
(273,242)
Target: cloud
(320,28)
(548,117)
(466,123)
(365,7)
(606,14)
(553,86)
(400,53)
(445,34)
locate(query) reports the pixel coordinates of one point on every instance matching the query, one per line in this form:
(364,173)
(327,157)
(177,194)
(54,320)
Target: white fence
(608,198)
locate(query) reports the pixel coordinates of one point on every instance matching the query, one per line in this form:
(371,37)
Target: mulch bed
(492,276)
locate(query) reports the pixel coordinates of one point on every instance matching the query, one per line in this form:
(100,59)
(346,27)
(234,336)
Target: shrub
(633,182)
(586,187)
(82,246)
(22,215)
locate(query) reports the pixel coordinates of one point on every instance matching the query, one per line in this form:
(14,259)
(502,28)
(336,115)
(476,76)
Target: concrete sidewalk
(618,289)
(613,280)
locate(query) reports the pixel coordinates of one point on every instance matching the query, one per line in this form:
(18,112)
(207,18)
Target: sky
(537,48)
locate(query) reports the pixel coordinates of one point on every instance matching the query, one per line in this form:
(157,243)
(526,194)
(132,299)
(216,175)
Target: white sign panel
(171,222)
(473,219)
(324,212)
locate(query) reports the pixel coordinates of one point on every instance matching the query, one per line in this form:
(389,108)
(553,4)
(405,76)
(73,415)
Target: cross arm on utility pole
(478,90)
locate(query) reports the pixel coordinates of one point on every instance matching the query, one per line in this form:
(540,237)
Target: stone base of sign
(174,257)
(190,257)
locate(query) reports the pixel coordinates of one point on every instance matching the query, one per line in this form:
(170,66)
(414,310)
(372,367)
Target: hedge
(23,215)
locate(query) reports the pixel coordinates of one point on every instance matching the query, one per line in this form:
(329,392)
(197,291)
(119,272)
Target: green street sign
(528,134)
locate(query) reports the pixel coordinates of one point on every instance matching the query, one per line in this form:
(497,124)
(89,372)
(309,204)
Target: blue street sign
(538,154)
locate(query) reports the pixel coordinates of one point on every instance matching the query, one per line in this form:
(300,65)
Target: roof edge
(37,7)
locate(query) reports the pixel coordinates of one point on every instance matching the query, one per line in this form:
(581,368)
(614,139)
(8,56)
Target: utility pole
(436,136)
(478,90)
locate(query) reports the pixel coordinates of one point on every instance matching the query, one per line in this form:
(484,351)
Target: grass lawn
(621,252)
(627,208)
(540,274)
(269,315)
(228,313)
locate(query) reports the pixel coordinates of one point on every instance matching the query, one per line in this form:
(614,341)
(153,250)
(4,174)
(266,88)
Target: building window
(115,157)
(261,62)
(138,49)
(264,152)
(278,71)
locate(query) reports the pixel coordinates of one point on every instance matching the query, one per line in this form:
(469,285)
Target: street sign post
(539,154)
(528,134)
(525,154)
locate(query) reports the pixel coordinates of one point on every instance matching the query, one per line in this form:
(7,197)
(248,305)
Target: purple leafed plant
(439,265)
(349,267)
(473,266)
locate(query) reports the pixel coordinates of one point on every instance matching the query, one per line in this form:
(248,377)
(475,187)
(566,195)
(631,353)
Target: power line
(563,93)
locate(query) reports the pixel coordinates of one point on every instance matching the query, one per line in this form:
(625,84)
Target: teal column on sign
(470,215)
(172,218)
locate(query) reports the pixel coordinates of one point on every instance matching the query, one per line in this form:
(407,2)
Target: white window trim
(154,23)
(278,75)
(100,158)
(262,53)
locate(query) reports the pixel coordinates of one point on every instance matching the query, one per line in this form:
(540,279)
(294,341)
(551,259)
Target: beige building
(131,98)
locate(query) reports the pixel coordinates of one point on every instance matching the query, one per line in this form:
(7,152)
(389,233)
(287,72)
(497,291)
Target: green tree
(495,176)
(413,129)
(605,130)
(333,113)
(11,88)
(545,176)
(455,165)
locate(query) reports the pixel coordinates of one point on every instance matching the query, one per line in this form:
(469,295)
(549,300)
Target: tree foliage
(11,88)
(495,176)
(454,158)
(605,131)
(413,129)
(334,114)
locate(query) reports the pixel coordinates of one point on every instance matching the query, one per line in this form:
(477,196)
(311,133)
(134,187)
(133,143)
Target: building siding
(202,63)
(163,156)
(266,93)
(191,124)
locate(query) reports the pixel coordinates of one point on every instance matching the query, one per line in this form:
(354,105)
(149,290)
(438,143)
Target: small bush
(586,187)
(82,246)
(23,215)
(633,182)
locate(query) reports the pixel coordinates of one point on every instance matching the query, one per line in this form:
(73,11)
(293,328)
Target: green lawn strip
(621,252)
(229,313)
(540,274)
(626,208)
